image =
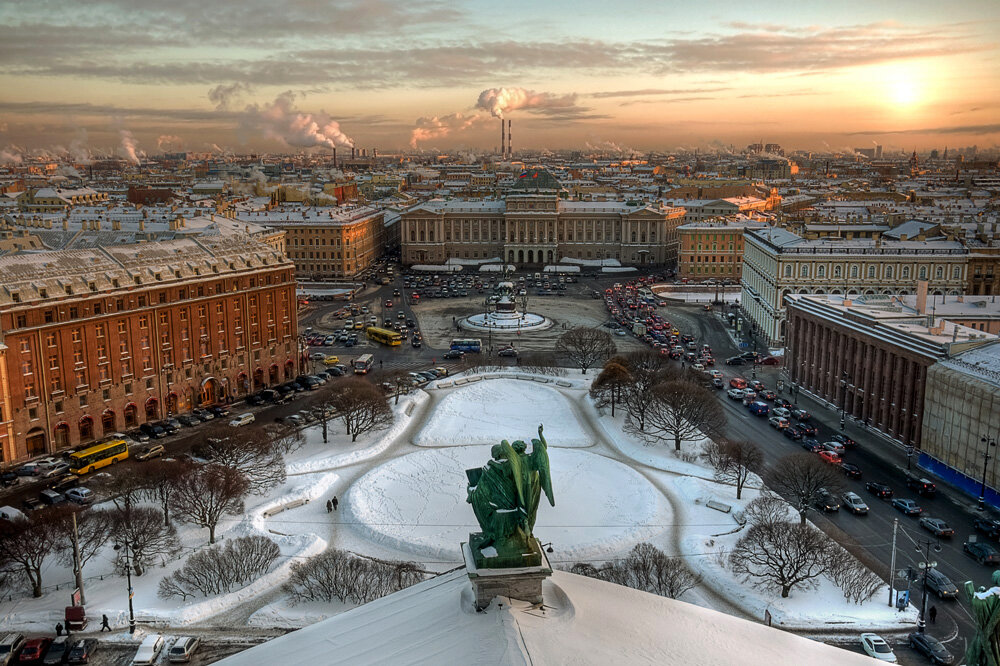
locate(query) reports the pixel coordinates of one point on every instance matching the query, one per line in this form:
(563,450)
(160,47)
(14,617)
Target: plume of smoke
(129,145)
(10,155)
(437,127)
(167,142)
(281,120)
(216,148)
(257,175)
(223,95)
(607,147)
(68,171)
(501,100)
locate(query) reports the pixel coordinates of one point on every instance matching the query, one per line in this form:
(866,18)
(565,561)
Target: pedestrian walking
(329,506)
(932,614)
(59,628)
(104,623)
(335,502)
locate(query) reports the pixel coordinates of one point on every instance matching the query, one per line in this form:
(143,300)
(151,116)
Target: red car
(34,650)
(829,456)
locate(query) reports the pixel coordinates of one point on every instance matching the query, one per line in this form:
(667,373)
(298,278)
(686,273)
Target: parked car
(182,649)
(907,506)
(148,651)
(153,431)
(851,471)
(923,486)
(988,526)
(825,501)
(58,651)
(931,648)
(937,527)
(202,414)
(982,552)
(82,650)
(854,504)
(138,435)
(10,645)
(879,489)
(82,496)
(255,400)
(30,504)
(941,585)
(875,646)
(188,420)
(148,452)
(33,650)
(51,497)
(8,479)
(218,411)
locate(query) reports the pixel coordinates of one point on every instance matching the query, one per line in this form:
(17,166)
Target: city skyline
(129,77)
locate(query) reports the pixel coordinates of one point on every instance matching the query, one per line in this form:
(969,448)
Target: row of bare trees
(338,574)
(661,401)
(646,568)
(218,569)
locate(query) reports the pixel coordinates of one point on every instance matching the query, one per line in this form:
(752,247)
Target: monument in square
(505,558)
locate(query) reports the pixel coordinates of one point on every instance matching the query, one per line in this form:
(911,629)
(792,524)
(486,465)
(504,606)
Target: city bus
(467,345)
(108,452)
(363,364)
(385,336)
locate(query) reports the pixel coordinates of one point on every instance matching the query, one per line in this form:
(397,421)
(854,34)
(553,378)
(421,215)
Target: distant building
(55,199)
(713,249)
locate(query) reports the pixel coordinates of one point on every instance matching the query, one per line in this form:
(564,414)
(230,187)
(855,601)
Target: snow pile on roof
(487,411)
(584,621)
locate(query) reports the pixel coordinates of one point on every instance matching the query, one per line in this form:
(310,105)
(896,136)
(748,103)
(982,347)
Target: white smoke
(501,100)
(167,142)
(68,171)
(10,155)
(281,120)
(257,175)
(129,145)
(607,147)
(437,127)
(222,95)
(216,148)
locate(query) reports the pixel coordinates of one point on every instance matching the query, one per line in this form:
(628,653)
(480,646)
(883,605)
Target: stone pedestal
(524,583)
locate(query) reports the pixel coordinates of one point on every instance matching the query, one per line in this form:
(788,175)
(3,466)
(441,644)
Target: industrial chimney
(334,158)
(510,151)
(503,141)
(352,152)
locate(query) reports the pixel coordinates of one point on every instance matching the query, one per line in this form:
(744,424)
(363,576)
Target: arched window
(837,271)
(821,271)
(788,270)
(906,272)
(854,271)
(888,272)
(939,273)
(871,271)
(956,272)
(107,422)
(131,415)
(152,409)
(804,270)
(923,272)
(86,426)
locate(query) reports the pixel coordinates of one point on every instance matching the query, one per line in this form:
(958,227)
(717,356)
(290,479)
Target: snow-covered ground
(489,410)
(417,503)
(591,262)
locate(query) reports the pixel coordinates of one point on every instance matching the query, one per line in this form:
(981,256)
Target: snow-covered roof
(584,621)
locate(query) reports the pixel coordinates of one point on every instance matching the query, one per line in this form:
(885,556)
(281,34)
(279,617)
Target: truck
(638,328)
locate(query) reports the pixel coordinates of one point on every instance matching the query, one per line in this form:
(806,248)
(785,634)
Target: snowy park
(402,497)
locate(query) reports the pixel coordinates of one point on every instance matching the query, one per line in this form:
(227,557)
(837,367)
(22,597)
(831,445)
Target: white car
(242,420)
(80,495)
(782,412)
(716,373)
(735,393)
(317,356)
(854,503)
(148,651)
(876,647)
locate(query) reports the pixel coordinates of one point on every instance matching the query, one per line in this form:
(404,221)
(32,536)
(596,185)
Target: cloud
(223,95)
(281,120)
(502,100)
(129,146)
(993,128)
(167,142)
(645,92)
(437,127)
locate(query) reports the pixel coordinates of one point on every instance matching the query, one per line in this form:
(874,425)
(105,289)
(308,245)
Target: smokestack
(334,158)
(503,141)
(374,154)
(352,152)
(510,151)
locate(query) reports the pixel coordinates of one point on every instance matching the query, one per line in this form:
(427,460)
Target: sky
(134,77)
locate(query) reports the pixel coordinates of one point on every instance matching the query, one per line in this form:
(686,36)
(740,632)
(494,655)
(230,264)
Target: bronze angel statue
(504,494)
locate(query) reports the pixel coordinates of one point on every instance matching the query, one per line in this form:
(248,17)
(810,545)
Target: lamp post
(925,565)
(128,577)
(987,441)
(845,379)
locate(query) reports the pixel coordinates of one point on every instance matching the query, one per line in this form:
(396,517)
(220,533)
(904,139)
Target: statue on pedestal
(504,494)
(984,650)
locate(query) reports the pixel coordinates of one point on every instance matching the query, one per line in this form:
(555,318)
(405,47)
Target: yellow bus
(99,455)
(385,336)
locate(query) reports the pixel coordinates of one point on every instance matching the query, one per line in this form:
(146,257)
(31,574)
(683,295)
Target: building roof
(583,621)
(535,179)
(981,362)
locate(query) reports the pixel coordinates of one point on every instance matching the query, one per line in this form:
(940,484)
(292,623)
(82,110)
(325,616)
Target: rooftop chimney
(921,296)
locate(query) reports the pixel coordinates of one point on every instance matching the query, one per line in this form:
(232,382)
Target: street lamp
(845,378)
(925,565)
(128,577)
(988,442)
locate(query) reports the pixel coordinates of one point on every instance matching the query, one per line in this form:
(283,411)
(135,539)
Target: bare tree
(142,536)
(218,569)
(734,461)
(25,546)
(781,555)
(254,455)
(159,479)
(858,583)
(611,384)
(766,509)
(361,407)
(801,478)
(585,346)
(681,410)
(646,568)
(125,490)
(93,530)
(209,492)
(540,363)
(400,381)
(645,370)
(337,574)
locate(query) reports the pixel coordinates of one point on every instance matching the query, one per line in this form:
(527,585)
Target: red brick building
(103,340)
(870,358)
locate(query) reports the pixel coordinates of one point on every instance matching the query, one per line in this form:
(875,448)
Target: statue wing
(517,468)
(540,462)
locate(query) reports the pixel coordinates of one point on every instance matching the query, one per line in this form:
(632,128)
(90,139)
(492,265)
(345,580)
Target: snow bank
(417,504)
(561,269)
(436,268)
(496,268)
(471,262)
(591,262)
(618,269)
(487,411)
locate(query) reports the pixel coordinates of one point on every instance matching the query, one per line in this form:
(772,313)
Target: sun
(903,91)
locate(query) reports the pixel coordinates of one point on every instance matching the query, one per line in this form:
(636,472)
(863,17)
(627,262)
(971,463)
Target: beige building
(777,263)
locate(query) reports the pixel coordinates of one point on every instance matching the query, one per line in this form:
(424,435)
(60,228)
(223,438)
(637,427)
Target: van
(182,650)
(10,645)
(242,420)
(148,651)
(759,408)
